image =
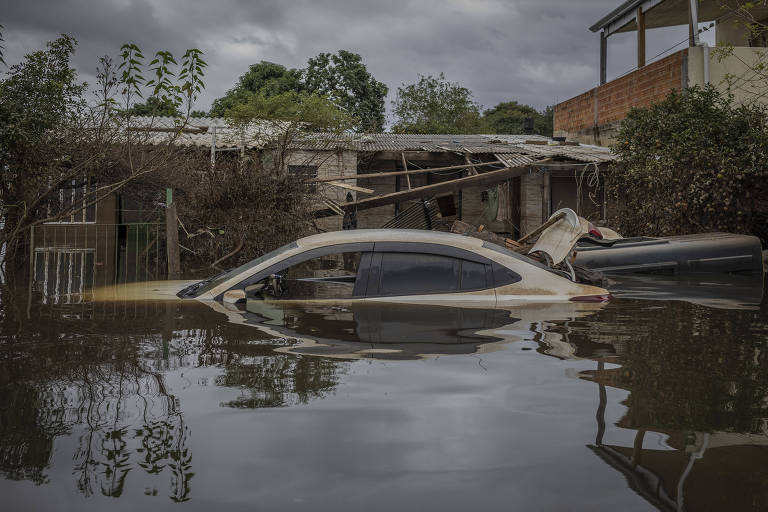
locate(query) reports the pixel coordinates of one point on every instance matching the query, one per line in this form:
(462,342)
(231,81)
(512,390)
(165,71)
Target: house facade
(593,117)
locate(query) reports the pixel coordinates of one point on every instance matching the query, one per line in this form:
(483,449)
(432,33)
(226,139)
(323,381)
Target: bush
(695,162)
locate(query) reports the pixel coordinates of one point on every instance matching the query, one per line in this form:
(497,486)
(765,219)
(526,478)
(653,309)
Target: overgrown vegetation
(341,79)
(693,163)
(437,105)
(509,117)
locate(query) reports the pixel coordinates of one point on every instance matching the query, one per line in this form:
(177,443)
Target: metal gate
(69,260)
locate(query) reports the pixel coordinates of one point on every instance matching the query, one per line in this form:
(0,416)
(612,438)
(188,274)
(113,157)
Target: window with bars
(304,173)
(68,197)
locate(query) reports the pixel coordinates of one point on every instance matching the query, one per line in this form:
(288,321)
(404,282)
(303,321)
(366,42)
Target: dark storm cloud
(533,51)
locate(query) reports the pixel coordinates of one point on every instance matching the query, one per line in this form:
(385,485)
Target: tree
(344,79)
(266,79)
(154,107)
(749,82)
(435,105)
(508,117)
(694,162)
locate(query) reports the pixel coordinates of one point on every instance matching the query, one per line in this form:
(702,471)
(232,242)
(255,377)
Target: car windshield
(205,285)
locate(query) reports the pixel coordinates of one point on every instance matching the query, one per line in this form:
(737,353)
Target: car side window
(330,276)
(417,273)
(473,276)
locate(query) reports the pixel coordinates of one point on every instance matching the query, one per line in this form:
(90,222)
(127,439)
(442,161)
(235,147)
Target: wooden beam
(172,236)
(640,17)
(405,168)
(472,170)
(488,178)
(400,173)
(350,187)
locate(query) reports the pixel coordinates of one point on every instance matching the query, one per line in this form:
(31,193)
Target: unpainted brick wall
(575,118)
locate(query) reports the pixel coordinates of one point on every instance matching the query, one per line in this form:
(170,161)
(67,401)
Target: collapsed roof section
(514,150)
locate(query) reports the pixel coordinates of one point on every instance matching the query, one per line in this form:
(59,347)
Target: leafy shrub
(693,163)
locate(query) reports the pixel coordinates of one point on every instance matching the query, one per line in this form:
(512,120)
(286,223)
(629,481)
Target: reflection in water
(700,377)
(404,331)
(721,291)
(107,397)
(95,372)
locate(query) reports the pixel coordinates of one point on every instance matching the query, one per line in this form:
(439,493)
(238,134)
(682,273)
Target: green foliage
(154,107)
(172,91)
(508,118)
(435,105)
(301,109)
(40,94)
(265,79)
(692,163)
(344,79)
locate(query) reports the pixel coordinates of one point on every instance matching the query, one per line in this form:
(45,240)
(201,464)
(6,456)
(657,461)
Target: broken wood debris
(485,179)
(463,228)
(349,187)
(402,173)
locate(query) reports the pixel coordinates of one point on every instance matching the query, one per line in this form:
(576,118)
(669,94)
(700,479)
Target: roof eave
(615,14)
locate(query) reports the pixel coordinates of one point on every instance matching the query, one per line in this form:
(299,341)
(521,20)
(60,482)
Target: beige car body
(537,284)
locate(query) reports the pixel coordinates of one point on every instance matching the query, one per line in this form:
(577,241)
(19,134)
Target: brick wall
(575,118)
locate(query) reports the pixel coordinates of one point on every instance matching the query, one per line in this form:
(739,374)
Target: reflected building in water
(698,377)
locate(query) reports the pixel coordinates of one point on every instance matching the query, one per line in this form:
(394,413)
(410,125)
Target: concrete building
(593,117)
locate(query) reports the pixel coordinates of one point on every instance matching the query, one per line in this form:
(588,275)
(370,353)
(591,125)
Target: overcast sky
(537,52)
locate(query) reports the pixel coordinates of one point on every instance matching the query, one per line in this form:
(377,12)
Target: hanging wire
(635,68)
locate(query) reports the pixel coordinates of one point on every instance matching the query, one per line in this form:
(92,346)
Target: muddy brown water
(656,400)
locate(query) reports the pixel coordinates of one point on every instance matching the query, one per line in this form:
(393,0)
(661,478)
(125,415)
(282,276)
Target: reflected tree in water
(279,380)
(97,374)
(692,368)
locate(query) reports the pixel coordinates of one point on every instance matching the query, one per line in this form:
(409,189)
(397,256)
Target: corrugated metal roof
(515,148)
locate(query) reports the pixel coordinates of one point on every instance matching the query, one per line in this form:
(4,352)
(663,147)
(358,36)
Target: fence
(69,260)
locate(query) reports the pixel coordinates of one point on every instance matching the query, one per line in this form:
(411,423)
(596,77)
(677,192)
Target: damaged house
(508,183)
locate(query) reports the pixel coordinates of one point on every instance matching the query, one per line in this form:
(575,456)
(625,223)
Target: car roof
(390,235)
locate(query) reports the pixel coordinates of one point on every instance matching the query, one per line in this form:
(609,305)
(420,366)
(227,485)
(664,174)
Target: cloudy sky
(537,52)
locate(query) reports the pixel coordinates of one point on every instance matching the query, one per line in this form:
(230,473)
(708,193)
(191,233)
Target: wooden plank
(472,169)
(405,168)
(350,187)
(488,178)
(399,173)
(172,238)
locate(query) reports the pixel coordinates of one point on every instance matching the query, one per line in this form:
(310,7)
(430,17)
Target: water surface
(637,404)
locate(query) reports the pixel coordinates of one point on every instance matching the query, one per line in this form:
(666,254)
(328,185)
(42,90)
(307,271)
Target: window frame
(361,247)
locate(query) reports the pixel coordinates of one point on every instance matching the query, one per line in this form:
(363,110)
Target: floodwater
(656,400)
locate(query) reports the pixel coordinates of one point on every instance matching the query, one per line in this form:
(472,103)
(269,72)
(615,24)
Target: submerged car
(393,265)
